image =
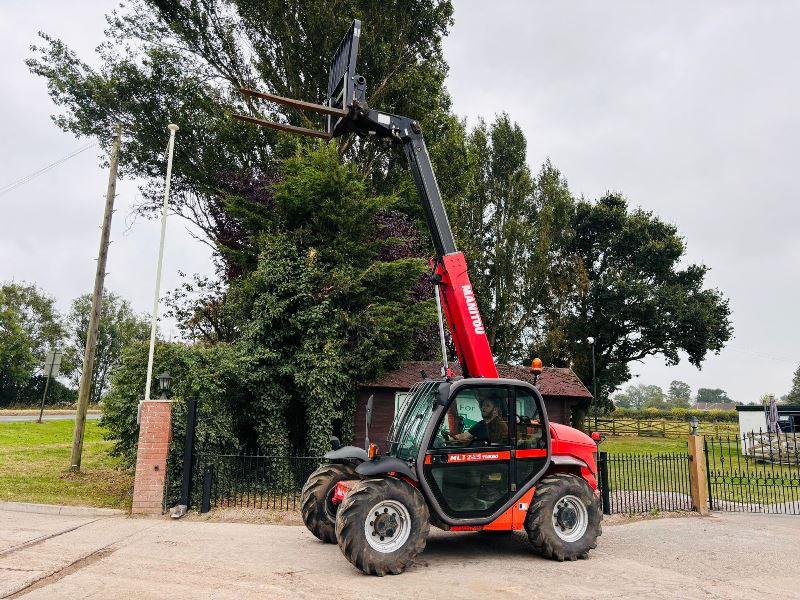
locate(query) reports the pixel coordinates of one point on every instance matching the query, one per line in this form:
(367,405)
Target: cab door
(468,464)
(530,434)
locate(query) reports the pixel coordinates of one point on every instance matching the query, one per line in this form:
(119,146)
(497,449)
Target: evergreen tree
(337,296)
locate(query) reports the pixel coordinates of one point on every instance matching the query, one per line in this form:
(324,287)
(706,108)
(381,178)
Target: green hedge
(213,374)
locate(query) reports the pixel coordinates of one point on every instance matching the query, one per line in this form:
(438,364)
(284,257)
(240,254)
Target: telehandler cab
(463,454)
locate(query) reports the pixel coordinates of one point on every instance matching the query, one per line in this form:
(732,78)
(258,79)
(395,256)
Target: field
(647,445)
(34,459)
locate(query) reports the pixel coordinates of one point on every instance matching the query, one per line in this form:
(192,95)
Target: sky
(689,109)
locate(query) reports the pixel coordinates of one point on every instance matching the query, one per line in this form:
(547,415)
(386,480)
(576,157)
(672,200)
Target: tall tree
(641,298)
(338,294)
(31,327)
(680,394)
(119,327)
(712,396)
(175,61)
(17,361)
(793,396)
(640,396)
(512,228)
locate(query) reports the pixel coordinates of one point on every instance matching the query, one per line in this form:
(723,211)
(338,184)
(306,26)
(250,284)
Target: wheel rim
(387,526)
(570,518)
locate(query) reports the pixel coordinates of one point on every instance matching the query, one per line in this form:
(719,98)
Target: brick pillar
(155,431)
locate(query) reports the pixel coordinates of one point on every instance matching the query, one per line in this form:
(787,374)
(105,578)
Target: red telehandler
(465,453)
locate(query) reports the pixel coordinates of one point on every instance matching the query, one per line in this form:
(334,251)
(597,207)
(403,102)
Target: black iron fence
(641,483)
(250,480)
(754,472)
(630,483)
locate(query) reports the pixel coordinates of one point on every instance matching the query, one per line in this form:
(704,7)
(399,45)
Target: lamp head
(164,383)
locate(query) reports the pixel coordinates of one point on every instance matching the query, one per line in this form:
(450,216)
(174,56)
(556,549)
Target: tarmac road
(723,556)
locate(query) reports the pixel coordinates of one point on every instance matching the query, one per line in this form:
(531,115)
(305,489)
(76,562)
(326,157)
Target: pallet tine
(284,127)
(302,105)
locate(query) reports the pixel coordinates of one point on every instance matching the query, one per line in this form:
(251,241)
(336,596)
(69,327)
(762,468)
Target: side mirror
(369,409)
(335,443)
(443,394)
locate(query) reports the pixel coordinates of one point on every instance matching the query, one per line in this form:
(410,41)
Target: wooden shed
(560,388)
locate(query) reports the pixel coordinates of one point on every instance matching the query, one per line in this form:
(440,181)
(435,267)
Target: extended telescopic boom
(347,112)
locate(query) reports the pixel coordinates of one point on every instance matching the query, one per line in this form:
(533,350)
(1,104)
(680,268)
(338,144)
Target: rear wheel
(563,520)
(382,525)
(319,513)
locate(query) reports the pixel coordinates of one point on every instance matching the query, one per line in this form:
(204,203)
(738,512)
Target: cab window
(531,438)
(529,431)
(477,417)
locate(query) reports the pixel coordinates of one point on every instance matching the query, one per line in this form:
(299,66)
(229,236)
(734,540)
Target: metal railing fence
(754,472)
(250,480)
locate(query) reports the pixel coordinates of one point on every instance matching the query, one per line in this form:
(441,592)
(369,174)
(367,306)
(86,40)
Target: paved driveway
(724,556)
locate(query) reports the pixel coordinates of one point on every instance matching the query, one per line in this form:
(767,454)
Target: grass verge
(34,461)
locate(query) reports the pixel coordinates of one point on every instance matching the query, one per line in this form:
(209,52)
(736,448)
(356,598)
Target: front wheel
(319,513)
(563,520)
(382,525)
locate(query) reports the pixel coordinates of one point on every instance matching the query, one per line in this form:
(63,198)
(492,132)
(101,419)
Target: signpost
(52,366)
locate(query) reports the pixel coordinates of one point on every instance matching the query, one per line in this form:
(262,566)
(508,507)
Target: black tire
(355,512)
(539,521)
(319,514)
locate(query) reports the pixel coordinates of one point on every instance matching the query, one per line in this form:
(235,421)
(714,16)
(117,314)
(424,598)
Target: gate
(754,472)
(640,483)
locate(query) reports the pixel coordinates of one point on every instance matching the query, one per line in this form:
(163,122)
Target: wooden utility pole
(97,303)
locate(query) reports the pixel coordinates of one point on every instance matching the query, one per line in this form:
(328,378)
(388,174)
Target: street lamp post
(154,321)
(591,340)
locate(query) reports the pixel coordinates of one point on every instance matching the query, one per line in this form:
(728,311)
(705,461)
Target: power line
(31,176)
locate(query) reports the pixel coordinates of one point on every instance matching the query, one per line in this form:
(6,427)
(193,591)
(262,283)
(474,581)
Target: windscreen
(409,424)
